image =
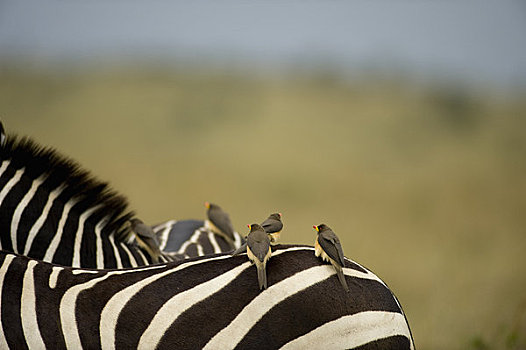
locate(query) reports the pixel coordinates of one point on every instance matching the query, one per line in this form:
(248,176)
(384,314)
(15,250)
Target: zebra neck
(52,210)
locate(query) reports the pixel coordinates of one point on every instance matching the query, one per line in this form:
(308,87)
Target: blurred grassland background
(424,183)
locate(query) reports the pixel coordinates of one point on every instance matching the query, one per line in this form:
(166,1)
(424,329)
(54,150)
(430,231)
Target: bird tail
(240,250)
(341,277)
(262,276)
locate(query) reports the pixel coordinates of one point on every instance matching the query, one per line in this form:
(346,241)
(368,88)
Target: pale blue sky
(484,39)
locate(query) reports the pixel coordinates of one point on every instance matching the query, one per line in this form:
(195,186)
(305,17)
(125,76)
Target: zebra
(52,210)
(44,305)
(192,238)
(210,302)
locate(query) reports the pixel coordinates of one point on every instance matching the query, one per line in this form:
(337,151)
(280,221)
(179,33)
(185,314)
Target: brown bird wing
(272,225)
(222,221)
(331,245)
(259,243)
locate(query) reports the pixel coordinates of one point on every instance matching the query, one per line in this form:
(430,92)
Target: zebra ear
(2,135)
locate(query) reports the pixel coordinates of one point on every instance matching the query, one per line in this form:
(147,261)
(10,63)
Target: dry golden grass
(425,185)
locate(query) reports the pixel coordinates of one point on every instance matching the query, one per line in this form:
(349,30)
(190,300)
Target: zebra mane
(58,170)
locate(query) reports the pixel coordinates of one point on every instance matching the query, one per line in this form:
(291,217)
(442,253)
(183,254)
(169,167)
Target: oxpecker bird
(258,251)
(273,226)
(146,238)
(328,247)
(219,222)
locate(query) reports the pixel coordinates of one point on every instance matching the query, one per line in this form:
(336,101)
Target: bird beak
(279,214)
(207,205)
(248,227)
(316,228)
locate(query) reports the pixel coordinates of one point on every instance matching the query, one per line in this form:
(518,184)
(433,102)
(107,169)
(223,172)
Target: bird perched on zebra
(219,222)
(272,226)
(328,247)
(258,251)
(146,238)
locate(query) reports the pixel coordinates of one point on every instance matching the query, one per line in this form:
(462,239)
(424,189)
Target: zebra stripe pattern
(191,238)
(211,302)
(53,211)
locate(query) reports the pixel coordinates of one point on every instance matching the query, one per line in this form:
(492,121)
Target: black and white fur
(52,210)
(191,238)
(189,305)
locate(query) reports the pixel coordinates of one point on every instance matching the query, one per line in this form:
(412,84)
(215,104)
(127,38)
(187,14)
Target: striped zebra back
(51,209)
(209,302)
(191,238)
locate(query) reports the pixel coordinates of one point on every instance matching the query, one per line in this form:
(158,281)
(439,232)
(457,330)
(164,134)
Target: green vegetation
(425,185)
